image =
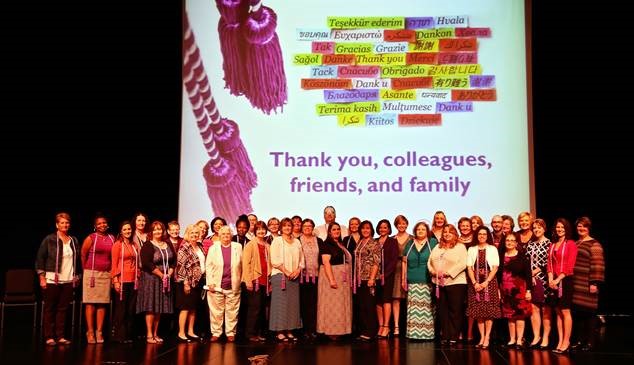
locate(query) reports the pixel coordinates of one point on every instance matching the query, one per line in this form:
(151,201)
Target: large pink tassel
(233,149)
(264,62)
(232,13)
(227,133)
(229,194)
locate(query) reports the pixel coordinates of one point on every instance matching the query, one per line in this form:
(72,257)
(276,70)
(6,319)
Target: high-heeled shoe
(563,351)
(535,343)
(99,337)
(485,344)
(386,335)
(396,331)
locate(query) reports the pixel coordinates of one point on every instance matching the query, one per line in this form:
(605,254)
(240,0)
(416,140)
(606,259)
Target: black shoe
(560,352)
(183,340)
(581,347)
(576,346)
(587,347)
(195,338)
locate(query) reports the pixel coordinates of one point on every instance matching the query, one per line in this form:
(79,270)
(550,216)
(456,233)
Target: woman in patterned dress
(155,295)
(367,262)
(483,294)
(515,288)
(537,252)
(415,280)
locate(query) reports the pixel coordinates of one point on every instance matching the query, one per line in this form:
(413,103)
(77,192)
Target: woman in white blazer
(223,267)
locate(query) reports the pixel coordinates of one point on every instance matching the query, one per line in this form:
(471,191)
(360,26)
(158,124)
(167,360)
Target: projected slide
(378,108)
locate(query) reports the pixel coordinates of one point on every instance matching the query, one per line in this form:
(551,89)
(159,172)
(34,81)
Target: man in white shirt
(253,219)
(321,231)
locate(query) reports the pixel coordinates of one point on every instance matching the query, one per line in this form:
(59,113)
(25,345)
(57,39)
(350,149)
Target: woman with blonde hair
(537,253)
(190,268)
(399,293)
(58,267)
(287,261)
(447,264)
(437,224)
(525,223)
(256,269)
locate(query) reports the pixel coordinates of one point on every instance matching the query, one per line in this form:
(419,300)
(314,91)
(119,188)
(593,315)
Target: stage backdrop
(376,107)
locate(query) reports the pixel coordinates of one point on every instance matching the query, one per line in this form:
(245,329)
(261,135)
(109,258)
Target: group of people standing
(332,280)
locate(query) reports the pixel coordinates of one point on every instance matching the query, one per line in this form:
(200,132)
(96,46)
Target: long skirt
(420,312)
(334,306)
(284,305)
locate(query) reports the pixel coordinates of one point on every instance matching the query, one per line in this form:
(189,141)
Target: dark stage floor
(21,345)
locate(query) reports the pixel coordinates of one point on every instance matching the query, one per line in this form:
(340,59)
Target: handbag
(538,291)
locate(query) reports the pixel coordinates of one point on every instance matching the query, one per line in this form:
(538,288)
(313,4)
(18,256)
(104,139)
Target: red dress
(514,285)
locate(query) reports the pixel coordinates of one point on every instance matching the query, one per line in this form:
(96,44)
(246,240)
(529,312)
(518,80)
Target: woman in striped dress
(287,261)
(309,279)
(415,280)
(589,273)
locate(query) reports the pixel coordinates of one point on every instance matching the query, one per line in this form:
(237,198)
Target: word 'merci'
(407,159)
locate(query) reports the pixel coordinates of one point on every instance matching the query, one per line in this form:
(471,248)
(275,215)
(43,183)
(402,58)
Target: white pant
(223,307)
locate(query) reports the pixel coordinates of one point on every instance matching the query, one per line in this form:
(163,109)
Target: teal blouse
(417,272)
